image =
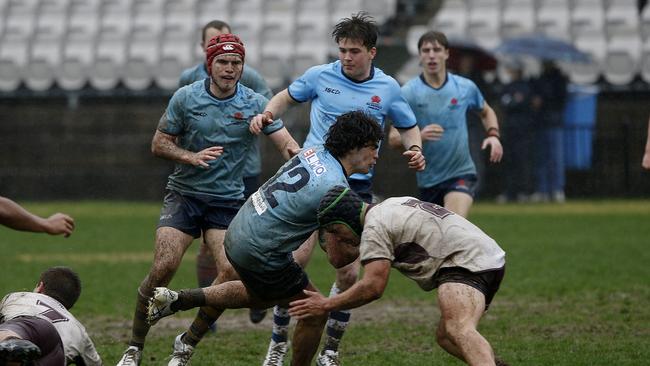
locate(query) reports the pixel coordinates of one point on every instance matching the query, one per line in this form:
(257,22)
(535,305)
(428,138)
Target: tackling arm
(16,217)
(369,288)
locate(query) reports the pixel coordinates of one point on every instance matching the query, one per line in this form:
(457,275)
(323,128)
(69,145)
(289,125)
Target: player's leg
(206,266)
(278,344)
(306,337)
(25,339)
(458,202)
(171,244)
(338,320)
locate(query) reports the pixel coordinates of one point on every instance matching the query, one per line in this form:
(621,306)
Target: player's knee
(454,330)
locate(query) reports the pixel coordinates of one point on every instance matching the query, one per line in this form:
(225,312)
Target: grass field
(576,292)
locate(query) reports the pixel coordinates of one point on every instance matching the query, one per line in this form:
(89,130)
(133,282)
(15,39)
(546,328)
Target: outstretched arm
(366,290)
(411,141)
(16,217)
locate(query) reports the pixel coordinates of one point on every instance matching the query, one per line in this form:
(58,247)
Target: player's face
(226,71)
(433,57)
(211,33)
(363,159)
(340,244)
(356,59)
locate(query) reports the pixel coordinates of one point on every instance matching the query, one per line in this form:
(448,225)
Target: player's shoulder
(461,81)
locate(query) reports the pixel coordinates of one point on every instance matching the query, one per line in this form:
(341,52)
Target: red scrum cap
(223,44)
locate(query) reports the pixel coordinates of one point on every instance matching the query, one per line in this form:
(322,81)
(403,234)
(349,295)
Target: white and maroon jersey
(420,237)
(76,342)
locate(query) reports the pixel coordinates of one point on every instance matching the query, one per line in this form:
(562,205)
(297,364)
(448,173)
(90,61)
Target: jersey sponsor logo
(314,162)
(375,103)
(201,114)
(332,91)
(165,217)
(258,202)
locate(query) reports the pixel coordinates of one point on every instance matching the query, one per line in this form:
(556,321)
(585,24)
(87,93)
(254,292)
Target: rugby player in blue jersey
(273,223)
(440,101)
(351,83)
(206,266)
(205,130)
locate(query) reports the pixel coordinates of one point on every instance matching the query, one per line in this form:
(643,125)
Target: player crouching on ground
(427,243)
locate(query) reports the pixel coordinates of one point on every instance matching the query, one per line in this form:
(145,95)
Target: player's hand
(416,159)
(312,305)
(59,223)
(432,132)
(259,122)
(496,150)
(202,157)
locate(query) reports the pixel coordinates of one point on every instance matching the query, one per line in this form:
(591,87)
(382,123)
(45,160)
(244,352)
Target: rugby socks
(281,320)
(336,323)
(201,325)
(140,325)
(188,299)
(206,266)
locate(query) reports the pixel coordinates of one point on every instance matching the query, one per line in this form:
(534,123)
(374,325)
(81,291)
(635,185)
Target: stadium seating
(76,61)
(14,53)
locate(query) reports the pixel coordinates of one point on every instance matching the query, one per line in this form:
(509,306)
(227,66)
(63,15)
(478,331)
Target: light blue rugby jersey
(447,106)
(281,215)
(201,120)
(249,78)
(332,94)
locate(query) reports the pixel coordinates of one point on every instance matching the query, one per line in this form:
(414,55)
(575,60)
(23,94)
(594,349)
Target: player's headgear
(341,205)
(223,44)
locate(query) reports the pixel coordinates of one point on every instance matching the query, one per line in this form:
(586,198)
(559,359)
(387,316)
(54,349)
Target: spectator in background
(43,318)
(646,156)
(517,134)
(16,217)
(550,96)
(206,266)
(440,101)
(206,131)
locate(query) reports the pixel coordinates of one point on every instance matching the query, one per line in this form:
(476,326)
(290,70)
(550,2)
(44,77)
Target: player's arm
(16,217)
(371,287)
(164,146)
(273,110)
(489,119)
(285,143)
(412,143)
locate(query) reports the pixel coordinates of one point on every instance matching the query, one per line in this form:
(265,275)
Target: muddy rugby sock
(336,324)
(281,321)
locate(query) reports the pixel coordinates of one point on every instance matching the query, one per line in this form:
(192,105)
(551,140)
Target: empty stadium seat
(180,15)
(14,53)
(595,45)
(518,18)
(451,19)
(413,34)
(110,58)
(76,61)
(645,22)
(622,58)
(552,18)
(83,17)
(409,70)
(340,9)
(147,16)
(175,55)
(20,17)
(44,62)
(115,17)
(483,18)
(313,43)
(587,16)
(141,60)
(621,18)
(248,29)
(209,10)
(382,10)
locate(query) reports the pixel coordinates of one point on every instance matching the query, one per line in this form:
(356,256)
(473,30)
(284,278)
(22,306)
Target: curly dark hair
(359,26)
(352,130)
(62,284)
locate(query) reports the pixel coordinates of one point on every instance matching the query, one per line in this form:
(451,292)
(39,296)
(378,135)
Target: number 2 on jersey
(293,169)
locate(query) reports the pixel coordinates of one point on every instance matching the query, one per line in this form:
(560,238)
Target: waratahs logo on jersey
(375,102)
(453,103)
(238,116)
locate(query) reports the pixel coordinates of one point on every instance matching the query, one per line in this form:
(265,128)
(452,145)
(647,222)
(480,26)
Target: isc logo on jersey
(314,162)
